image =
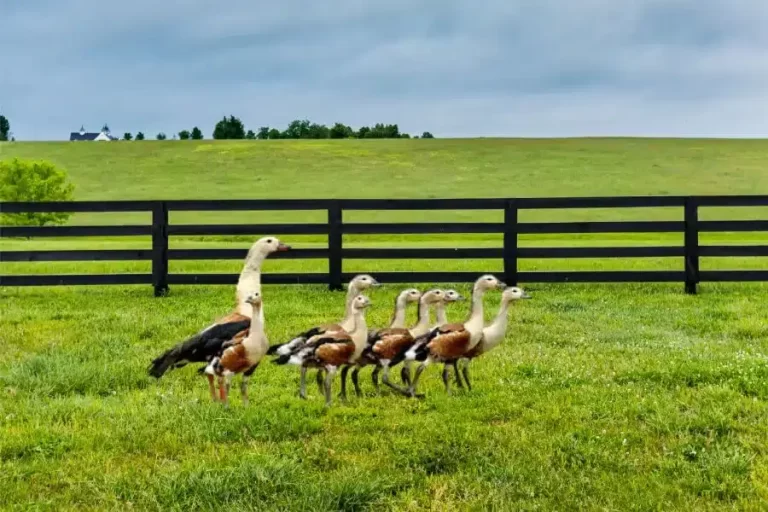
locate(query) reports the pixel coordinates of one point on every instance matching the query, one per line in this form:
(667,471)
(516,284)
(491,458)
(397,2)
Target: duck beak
(460,297)
(375,283)
(525,295)
(283,247)
(502,285)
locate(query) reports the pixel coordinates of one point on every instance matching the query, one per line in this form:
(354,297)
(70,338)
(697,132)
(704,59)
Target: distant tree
(184,135)
(25,180)
(5,128)
(415,136)
(229,128)
(105,128)
(127,136)
(363,132)
(427,135)
(196,134)
(263,133)
(274,133)
(341,131)
(297,129)
(140,136)
(318,131)
(250,135)
(161,136)
(405,136)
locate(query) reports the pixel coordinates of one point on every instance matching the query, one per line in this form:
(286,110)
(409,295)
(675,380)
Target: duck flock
(237,343)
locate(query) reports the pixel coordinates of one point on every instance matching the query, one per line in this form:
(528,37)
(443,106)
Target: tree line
(233,128)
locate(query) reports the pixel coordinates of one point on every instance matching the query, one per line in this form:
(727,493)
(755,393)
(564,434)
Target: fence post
(160,248)
(691,245)
(334,246)
(510,242)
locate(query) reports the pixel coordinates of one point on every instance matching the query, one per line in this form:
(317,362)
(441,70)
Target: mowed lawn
(602,397)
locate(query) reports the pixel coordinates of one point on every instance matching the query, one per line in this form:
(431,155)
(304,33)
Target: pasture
(602,397)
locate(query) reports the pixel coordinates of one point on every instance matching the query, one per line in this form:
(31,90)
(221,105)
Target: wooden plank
(335,261)
(601,227)
(422,227)
(733,250)
(247,229)
(75,206)
(72,231)
(239,254)
(77,255)
(733,275)
(73,279)
(230,279)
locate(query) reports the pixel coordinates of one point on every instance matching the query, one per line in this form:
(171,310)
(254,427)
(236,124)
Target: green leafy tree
(263,133)
(127,136)
(427,135)
(341,131)
(184,135)
(196,134)
(274,133)
(229,128)
(105,128)
(161,136)
(297,129)
(250,135)
(405,136)
(5,128)
(140,136)
(318,131)
(363,132)
(24,180)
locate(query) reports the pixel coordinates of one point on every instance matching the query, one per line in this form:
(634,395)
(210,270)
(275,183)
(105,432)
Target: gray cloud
(530,68)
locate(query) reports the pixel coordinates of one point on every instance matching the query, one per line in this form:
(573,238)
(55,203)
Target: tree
(25,180)
(250,135)
(184,135)
(341,131)
(196,134)
(274,133)
(318,131)
(127,136)
(263,133)
(5,128)
(231,128)
(297,129)
(105,128)
(161,136)
(427,135)
(405,136)
(363,132)
(140,136)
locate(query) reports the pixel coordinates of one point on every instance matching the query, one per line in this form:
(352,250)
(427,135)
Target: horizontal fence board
(599,202)
(248,204)
(78,255)
(77,206)
(239,254)
(286,278)
(733,225)
(68,231)
(600,227)
(599,252)
(422,253)
(73,279)
(378,228)
(746,200)
(733,250)
(606,276)
(248,229)
(423,204)
(733,275)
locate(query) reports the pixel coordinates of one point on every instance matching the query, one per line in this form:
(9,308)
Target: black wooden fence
(160,231)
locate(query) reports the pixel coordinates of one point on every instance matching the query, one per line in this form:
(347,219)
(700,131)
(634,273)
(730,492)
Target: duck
(389,346)
(332,349)
(242,357)
(450,341)
(356,286)
(493,334)
(204,345)
(449,296)
(399,316)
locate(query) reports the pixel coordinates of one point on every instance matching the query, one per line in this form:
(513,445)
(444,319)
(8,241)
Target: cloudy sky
(456,68)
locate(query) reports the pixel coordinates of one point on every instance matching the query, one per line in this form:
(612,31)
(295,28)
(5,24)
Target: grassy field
(602,397)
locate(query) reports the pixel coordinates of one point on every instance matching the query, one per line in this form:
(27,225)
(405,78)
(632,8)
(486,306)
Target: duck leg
(343,392)
(328,379)
(303,383)
(212,387)
(319,380)
(419,371)
(244,383)
(405,373)
(447,378)
(385,379)
(224,384)
(459,382)
(465,371)
(355,373)
(375,379)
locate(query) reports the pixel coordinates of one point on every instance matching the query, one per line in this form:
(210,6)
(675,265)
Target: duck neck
(398,317)
(359,333)
(475,321)
(495,332)
(422,325)
(256,330)
(250,282)
(347,323)
(440,313)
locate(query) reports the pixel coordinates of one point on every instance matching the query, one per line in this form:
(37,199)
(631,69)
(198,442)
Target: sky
(493,68)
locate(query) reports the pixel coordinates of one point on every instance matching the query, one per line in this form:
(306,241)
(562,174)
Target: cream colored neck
(250,282)
(398,318)
(495,332)
(256,337)
(474,323)
(348,322)
(359,333)
(442,319)
(422,326)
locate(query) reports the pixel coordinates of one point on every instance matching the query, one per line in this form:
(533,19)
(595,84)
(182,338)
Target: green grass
(602,397)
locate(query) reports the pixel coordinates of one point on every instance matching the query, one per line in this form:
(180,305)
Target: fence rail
(161,230)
